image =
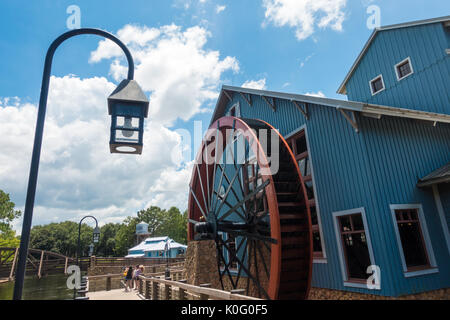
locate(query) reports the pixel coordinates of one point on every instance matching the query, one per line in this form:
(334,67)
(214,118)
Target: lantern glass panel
(127,136)
(127,122)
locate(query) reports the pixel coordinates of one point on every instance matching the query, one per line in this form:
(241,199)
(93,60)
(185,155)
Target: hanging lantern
(127,106)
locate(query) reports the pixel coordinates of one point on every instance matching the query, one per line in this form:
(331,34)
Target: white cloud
(173,64)
(255,84)
(77,173)
(318,94)
(305,15)
(220,8)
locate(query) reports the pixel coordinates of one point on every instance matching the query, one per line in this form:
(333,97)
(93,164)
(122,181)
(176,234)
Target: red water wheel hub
(247,194)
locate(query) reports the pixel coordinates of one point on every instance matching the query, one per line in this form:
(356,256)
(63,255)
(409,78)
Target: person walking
(129,279)
(137,273)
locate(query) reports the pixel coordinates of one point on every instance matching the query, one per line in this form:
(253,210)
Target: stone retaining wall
(328,294)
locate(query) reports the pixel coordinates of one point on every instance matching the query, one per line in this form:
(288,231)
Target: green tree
(61,238)
(125,236)
(107,244)
(7,212)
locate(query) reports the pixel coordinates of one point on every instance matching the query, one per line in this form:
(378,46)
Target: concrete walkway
(119,294)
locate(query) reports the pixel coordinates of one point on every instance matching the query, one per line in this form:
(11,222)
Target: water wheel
(247,195)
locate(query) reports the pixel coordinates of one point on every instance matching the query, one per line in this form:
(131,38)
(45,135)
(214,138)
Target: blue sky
(184,50)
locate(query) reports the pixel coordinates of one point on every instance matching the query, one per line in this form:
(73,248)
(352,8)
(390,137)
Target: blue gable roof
(425,43)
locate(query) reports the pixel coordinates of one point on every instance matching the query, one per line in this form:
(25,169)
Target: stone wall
(328,294)
(200,266)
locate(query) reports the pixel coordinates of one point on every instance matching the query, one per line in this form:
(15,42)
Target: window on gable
(413,245)
(377,85)
(403,69)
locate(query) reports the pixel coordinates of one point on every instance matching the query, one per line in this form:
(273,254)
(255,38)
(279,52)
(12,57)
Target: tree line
(115,238)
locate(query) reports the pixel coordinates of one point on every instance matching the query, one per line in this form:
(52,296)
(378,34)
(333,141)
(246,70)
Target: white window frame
(343,263)
(371,87)
(423,226)
(237,107)
(316,197)
(401,62)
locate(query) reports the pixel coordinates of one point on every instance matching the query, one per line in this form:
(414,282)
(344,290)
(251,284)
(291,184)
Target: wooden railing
(156,288)
(99,261)
(116,280)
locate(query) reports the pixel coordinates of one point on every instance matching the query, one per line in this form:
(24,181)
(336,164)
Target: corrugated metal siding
(400,150)
(427,89)
(378,167)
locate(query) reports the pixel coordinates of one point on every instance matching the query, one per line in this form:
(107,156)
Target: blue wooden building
(377,166)
(157,247)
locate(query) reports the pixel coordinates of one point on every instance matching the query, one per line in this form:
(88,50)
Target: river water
(51,287)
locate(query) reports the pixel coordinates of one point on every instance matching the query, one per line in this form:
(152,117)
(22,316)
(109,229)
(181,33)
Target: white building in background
(156,248)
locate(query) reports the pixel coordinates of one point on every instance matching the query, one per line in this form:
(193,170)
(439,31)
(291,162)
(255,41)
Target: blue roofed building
(157,247)
(377,166)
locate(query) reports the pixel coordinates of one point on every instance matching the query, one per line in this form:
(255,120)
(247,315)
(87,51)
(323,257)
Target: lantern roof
(129,91)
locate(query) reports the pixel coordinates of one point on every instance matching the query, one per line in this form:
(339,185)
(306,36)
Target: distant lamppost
(167,252)
(95,239)
(127,105)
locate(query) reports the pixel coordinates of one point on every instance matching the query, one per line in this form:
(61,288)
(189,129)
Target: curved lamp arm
(32,181)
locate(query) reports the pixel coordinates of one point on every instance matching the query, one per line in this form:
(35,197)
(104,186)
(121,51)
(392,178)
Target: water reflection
(52,287)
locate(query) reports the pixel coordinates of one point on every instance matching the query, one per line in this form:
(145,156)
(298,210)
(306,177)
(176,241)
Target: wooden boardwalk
(119,294)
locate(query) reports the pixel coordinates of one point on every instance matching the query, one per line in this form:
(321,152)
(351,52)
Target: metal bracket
(351,120)
(247,98)
(272,105)
(228,95)
(303,111)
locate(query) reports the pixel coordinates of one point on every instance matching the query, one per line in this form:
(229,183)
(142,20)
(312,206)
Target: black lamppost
(167,252)
(127,105)
(95,239)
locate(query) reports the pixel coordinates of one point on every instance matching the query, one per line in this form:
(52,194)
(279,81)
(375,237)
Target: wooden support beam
(65,265)
(247,98)
(228,95)
(351,120)
(303,111)
(272,105)
(40,264)
(11,274)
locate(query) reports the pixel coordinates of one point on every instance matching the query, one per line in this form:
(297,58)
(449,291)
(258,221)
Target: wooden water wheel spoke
(235,165)
(242,202)
(243,258)
(228,190)
(263,260)
(242,265)
(255,257)
(234,192)
(252,223)
(201,185)
(231,207)
(249,235)
(198,203)
(226,265)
